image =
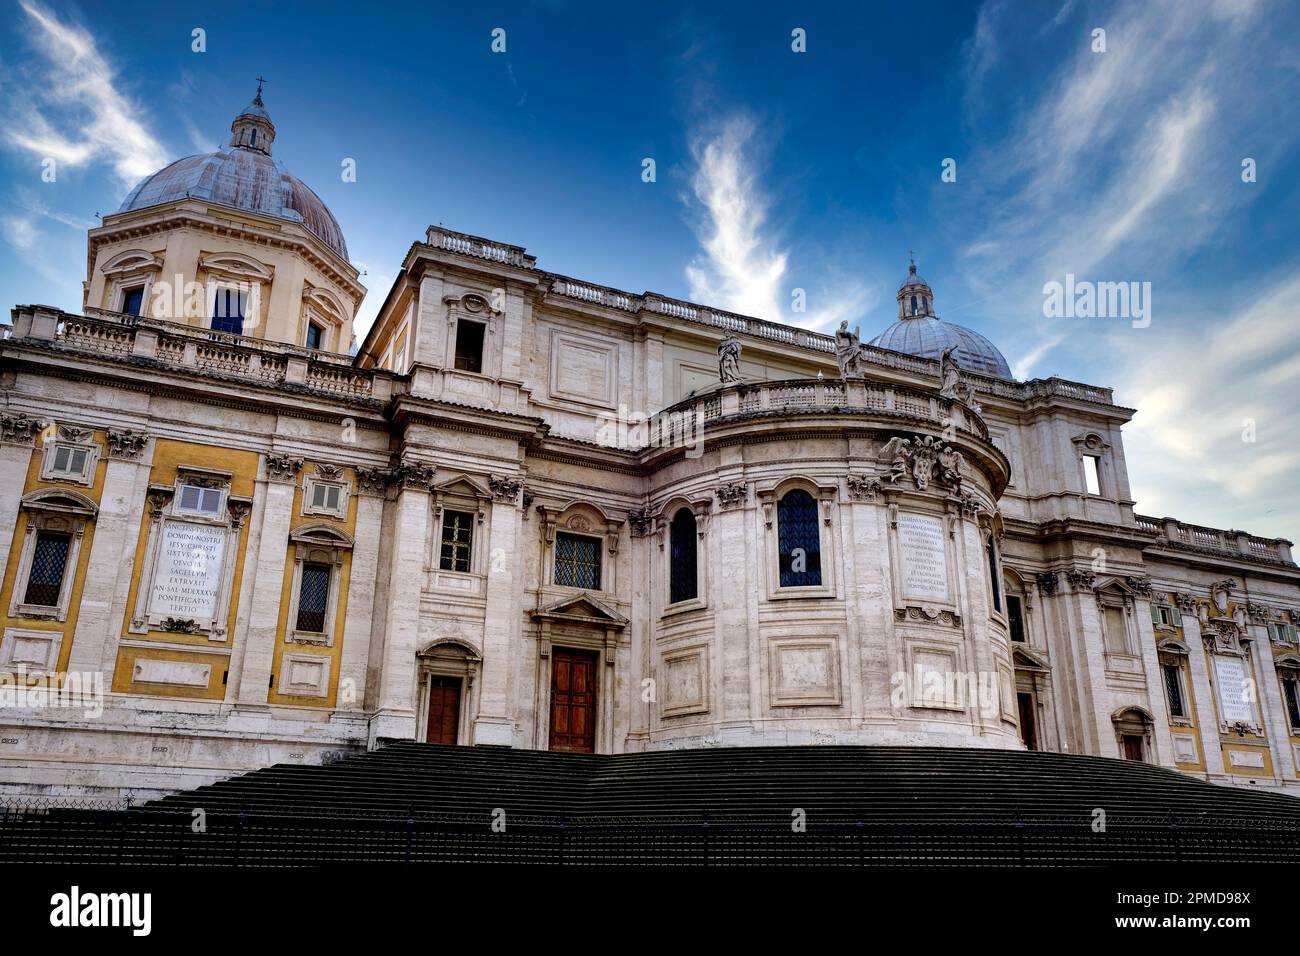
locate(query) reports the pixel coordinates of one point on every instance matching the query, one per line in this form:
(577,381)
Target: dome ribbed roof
(927,337)
(243,176)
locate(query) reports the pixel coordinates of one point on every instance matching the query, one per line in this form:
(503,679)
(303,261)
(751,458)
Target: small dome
(243,176)
(927,337)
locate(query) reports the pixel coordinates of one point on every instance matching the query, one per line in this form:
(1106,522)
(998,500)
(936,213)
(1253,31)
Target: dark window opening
(1174,690)
(457,540)
(1292,689)
(993,573)
(312,597)
(315,334)
(798,540)
(682,584)
(133,300)
(228,312)
(49,561)
(469,345)
(577,561)
(1015,618)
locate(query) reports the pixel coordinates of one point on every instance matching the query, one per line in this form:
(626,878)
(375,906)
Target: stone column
(395,704)
(735,536)
(1156,700)
(17,440)
(1087,640)
(495,721)
(112,555)
(265,575)
(362,582)
(1207,719)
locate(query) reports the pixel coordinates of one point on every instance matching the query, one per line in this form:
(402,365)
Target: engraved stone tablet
(188,574)
(925,569)
(1234,695)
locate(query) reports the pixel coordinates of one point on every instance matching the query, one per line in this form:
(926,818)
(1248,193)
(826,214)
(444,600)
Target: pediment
(583,608)
(1024,659)
(463,486)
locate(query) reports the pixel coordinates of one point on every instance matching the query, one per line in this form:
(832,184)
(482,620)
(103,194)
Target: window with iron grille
(1016,618)
(1174,690)
(49,562)
(313,594)
(577,561)
(682,572)
(798,540)
(457,540)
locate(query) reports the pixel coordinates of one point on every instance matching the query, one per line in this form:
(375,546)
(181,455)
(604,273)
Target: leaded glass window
(1174,690)
(577,561)
(682,584)
(798,540)
(49,561)
(457,540)
(313,595)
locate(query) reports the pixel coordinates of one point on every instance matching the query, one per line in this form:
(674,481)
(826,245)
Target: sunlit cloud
(69,107)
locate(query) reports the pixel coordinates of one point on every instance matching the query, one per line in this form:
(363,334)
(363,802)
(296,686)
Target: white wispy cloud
(742,266)
(70,107)
(20,232)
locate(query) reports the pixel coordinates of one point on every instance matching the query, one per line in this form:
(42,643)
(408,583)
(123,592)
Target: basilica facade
(530,511)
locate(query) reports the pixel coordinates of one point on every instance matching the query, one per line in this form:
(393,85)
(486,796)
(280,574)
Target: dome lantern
(252,128)
(914,296)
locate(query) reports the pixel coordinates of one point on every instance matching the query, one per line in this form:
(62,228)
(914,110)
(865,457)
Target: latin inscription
(188,575)
(925,569)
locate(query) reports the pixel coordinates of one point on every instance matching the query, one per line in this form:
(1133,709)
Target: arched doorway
(447,673)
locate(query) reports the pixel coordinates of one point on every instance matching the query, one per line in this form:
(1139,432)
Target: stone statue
(949,374)
(969,398)
(848,349)
(729,360)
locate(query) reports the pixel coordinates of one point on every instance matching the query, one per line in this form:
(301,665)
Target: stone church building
(530,511)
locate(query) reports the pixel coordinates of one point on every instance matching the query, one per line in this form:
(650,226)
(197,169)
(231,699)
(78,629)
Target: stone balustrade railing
(816,341)
(478,247)
(1216,540)
(182,346)
(854,397)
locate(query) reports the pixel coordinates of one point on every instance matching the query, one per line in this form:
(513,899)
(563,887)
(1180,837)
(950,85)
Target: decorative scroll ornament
(923,458)
(179,625)
(1225,637)
(1048,582)
(863,488)
(282,467)
(639,522)
(927,614)
(19,429)
(1258,613)
(1081,580)
(127,444)
(239,509)
(1139,584)
(732,494)
(372,481)
(970,506)
(414,475)
(507,488)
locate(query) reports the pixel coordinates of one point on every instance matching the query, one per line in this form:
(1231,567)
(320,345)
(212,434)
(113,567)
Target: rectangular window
(1165,615)
(1116,632)
(1174,690)
(1091,475)
(457,540)
(315,335)
(1015,618)
(326,497)
(1291,687)
(577,561)
(133,300)
(69,461)
(313,596)
(49,561)
(228,311)
(469,345)
(198,500)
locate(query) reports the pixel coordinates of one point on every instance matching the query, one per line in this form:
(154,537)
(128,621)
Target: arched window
(994,573)
(914,305)
(682,574)
(798,540)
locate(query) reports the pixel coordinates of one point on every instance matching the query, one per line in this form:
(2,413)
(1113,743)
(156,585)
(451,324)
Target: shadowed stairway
(409,802)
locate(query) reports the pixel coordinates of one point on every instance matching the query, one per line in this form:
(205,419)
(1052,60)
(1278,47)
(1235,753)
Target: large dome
(928,337)
(920,332)
(243,176)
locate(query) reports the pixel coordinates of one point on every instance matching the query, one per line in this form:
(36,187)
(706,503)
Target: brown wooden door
(573,700)
(444,709)
(1028,732)
(1133,747)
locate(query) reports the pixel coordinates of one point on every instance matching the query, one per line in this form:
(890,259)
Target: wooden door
(573,700)
(1133,747)
(1028,732)
(444,709)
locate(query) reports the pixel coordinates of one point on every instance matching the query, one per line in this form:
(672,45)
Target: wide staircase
(410,802)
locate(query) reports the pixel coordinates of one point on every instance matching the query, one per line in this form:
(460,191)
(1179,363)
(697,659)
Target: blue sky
(775,170)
